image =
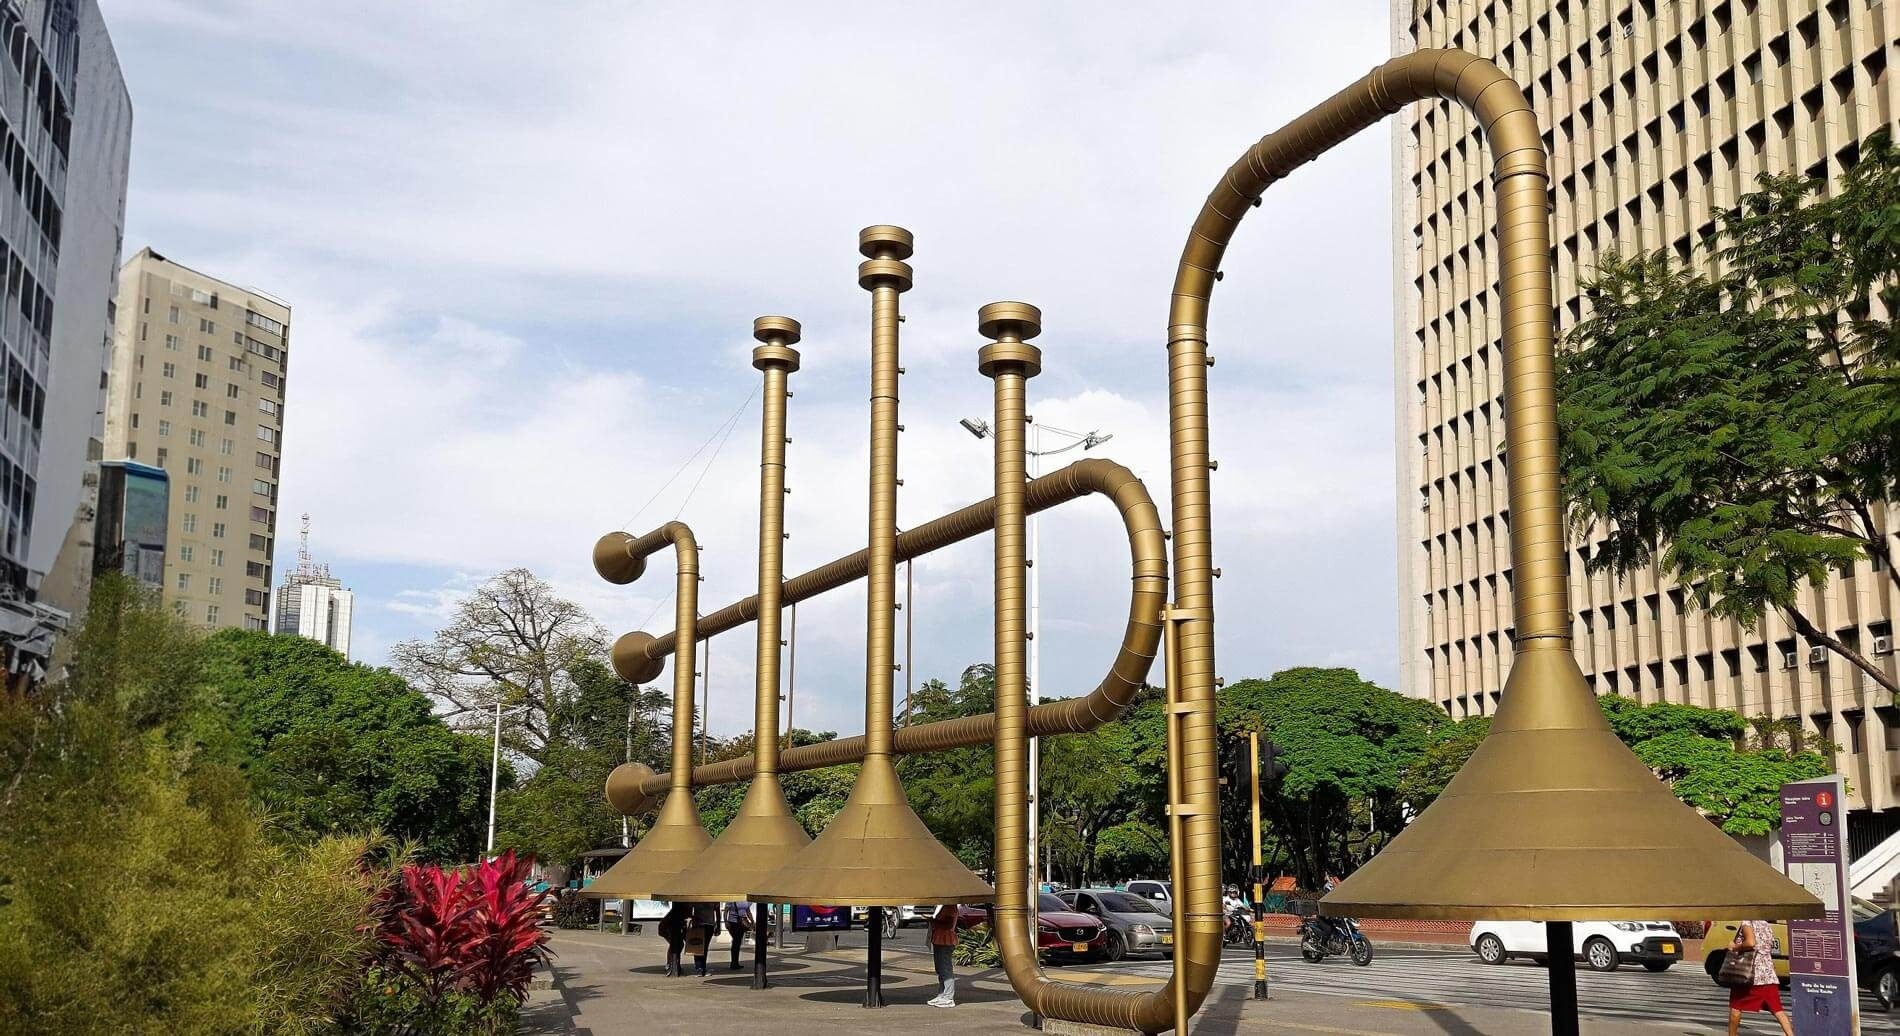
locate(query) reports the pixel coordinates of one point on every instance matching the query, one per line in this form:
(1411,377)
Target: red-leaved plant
(459,930)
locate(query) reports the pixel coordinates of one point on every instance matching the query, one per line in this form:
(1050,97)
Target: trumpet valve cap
(614,562)
(885,242)
(873,273)
(783,330)
(1009,357)
(1009,320)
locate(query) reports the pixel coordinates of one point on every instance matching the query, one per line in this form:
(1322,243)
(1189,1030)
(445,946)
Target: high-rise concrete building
(197,388)
(312,603)
(1658,114)
(65,131)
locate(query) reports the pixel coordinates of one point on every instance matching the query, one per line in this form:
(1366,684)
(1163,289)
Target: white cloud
(524,253)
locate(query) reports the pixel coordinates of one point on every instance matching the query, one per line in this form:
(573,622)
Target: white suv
(1603,945)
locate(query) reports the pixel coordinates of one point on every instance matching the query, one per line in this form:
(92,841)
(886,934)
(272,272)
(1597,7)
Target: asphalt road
(1682,997)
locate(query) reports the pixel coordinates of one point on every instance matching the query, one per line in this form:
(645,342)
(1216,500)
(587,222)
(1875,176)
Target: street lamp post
(494,777)
(1033,449)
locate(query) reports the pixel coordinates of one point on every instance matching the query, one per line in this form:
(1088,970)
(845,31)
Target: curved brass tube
(632,788)
(677,837)
(1010,361)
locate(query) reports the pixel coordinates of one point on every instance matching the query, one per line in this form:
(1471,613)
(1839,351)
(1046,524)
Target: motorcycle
(1239,930)
(1322,937)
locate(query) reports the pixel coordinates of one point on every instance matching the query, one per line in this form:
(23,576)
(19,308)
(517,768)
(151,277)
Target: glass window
(184,580)
(266,433)
(204,353)
(260,487)
(222,502)
(211,613)
(165,397)
(214,585)
(260,514)
(171,342)
(231,391)
(200,409)
(173,316)
(263,460)
(267,406)
(162,454)
(217,530)
(191,523)
(169,370)
(226,447)
(194,466)
(207,327)
(217,556)
(184,552)
(191,495)
(197,437)
(202,381)
(164,428)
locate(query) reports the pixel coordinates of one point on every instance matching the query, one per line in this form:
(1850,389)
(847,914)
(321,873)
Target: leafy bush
(139,891)
(976,948)
(455,949)
(573,910)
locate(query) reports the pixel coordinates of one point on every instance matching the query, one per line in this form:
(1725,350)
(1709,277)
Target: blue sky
(524,252)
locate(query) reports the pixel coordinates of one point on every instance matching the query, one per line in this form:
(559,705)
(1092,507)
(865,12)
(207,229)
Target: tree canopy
(331,746)
(1741,429)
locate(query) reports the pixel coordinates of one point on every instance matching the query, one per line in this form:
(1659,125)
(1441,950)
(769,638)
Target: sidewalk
(609,984)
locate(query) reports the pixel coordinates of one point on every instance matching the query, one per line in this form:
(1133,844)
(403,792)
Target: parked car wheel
(1117,949)
(1658,965)
(1600,955)
(1491,949)
(1887,987)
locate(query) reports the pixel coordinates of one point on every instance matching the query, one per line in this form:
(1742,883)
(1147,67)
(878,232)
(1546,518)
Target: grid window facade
(224,379)
(1658,115)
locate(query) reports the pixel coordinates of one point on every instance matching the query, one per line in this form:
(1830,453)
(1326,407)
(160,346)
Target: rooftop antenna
(303,545)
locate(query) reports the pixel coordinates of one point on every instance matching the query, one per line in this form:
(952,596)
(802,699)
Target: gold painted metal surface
(1010,361)
(764,835)
(876,852)
(676,838)
(1141,636)
(1552,818)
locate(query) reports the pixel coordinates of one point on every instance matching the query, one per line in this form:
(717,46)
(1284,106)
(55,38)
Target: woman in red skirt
(1757,939)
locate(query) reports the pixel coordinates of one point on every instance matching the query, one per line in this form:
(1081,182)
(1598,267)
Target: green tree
(1742,429)
(331,746)
(1349,744)
(953,792)
(512,640)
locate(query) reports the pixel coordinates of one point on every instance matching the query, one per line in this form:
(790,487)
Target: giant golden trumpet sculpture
(1552,819)
(765,835)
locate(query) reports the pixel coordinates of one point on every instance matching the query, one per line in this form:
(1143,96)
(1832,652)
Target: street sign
(1820,951)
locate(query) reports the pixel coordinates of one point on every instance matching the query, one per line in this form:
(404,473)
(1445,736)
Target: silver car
(1135,924)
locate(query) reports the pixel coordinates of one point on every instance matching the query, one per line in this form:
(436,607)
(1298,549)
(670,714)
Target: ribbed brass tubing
(677,837)
(633,787)
(876,851)
(1010,361)
(764,834)
(1518,833)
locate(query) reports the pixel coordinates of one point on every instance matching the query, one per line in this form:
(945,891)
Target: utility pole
(1259,874)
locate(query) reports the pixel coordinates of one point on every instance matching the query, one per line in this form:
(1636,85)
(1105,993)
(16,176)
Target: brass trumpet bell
(675,841)
(760,840)
(1555,819)
(876,852)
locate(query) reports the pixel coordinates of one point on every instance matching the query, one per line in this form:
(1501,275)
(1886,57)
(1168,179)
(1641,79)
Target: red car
(1060,932)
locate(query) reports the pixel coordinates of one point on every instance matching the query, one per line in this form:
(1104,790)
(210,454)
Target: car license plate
(1079,947)
(1167,938)
(1669,947)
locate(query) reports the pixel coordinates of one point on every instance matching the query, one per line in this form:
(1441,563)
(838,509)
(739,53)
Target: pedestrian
(1762,992)
(699,934)
(738,922)
(672,928)
(943,948)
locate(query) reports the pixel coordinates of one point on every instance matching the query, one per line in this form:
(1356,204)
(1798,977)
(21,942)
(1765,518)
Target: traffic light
(1273,764)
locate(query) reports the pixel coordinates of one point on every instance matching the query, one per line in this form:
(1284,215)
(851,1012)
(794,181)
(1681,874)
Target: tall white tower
(311,603)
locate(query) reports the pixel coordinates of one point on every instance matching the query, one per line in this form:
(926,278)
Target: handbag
(1738,968)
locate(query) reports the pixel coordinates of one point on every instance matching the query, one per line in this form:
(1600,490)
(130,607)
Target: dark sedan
(1060,931)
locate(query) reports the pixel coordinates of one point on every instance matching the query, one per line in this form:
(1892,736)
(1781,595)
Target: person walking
(672,928)
(699,934)
(738,922)
(1763,990)
(943,948)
